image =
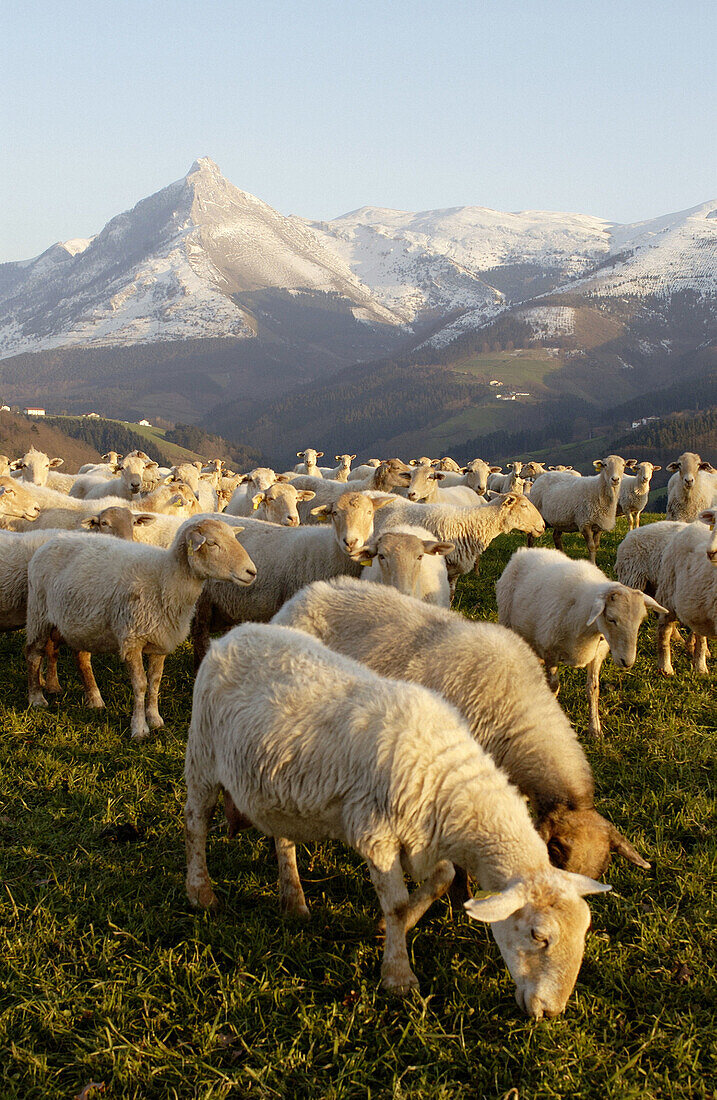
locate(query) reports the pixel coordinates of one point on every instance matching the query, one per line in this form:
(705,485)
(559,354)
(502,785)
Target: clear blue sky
(607,107)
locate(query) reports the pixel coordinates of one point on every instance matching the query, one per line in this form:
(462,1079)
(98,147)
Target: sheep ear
(495,469)
(54,462)
(116,467)
(283,477)
(497,906)
(623,847)
(413,462)
(585,885)
(299,454)
(674,466)
(195,540)
(323,513)
(337,457)
(630,462)
(305,494)
(153,466)
(7,489)
(708,516)
(352,457)
(90,523)
(319,454)
(509,500)
(380,502)
(597,609)
(237,531)
(366,555)
(653,605)
(707,466)
(260,498)
(599,464)
(656,468)
(438,475)
(443,548)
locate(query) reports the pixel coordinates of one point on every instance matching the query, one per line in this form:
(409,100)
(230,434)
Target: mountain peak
(204,164)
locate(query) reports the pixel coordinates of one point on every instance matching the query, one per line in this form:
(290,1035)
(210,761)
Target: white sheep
(535,469)
(18,507)
(584,504)
(426,487)
(507,483)
(692,487)
(360,473)
(384,478)
(312,746)
(310,465)
(340,472)
(687,586)
(105,467)
(634,493)
(256,481)
(475,475)
(570,613)
(279,503)
(410,560)
(496,682)
(53,509)
(135,473)
(287,558)
(37,468)
(639,555)
(121,597)
(471,530)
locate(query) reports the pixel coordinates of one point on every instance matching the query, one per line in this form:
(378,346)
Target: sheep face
(392,474)
(260,479)
(278,503)
(119,522)
(213,552)
(345,460)
(423,461)
(16,502)
(35,466)
(448,464)
(644,472)
(352,518)
(688,465)
(612,469)
(423,483)
(188,473)
(310,457)
(617,613)
(477,473)
(523,515)
(399,559)
(583,840)
(540,926)
(132,470)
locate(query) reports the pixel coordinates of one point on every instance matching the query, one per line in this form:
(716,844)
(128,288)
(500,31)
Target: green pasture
(106,975)
(522,367)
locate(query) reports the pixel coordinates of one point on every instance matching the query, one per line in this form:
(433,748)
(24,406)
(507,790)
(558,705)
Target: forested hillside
(18,433)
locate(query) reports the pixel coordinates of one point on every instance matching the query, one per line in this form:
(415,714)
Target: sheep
(411,560)
(634,491)
(471,530)
(687,586)
(390,769)
(639,555)
(278,504)
(53,509)
(386,477)
(256,481)
(475,475)
(506,483)
(537,469)
(128,599)
(37,468)
(570,613)
(288,558)
(17,504)
(423,461)
(172,498)
(449,465)
(105,467)
(134,473)
(310,464)
(340,472)
(123,523)
(426,486)
(692,487)
(360,473)
(586,504)
(202,485)
(496,682)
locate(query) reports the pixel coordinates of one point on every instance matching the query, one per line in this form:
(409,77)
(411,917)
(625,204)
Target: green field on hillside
(522,367)
(157,436)
(108,976)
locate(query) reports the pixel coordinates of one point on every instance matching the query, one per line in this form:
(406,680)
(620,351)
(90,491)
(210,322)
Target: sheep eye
(420,557)
(381,557)
(538,938)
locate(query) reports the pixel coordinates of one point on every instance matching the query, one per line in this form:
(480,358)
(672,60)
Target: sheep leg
(551,674)
(155,668)
(34,652)
(664,648)
(588,535)
(592,687)
(198,811)
(459,890)
(52,648)
(699,657)
(396,973)
(433,888)
(690,644)
(291,892)
(199,630)
(135,666)
(84,667)
(558,539)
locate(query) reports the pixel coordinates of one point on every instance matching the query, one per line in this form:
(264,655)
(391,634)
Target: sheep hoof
(95,702)
(399,980)
(155,721)
(203,897)
(39,701)
(140,733)
(53,687)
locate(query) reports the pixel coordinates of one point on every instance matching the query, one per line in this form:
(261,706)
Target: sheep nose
(712,555)
(291,521)
(615,480)
(689,481)
(412,496)
(351,544)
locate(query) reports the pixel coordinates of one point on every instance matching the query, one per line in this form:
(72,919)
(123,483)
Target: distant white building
(91,416)
(495,382)
(34,412)
(644,420)
(4,408)
(144,423)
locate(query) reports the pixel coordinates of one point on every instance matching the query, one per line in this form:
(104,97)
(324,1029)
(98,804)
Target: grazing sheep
(287,558)
(687,586)
(411,561)
(310,465)
(17,505)
(570,613)
(391,770)
(496,682)
(634,491)
(585,504)
(426,487)
(125,598)
(471,530)
(692,487)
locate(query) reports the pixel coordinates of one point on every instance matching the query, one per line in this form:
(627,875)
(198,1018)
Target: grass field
(523,367)
(107,976)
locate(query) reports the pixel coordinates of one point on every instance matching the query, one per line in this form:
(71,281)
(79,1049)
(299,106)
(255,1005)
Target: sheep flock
(346,698)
